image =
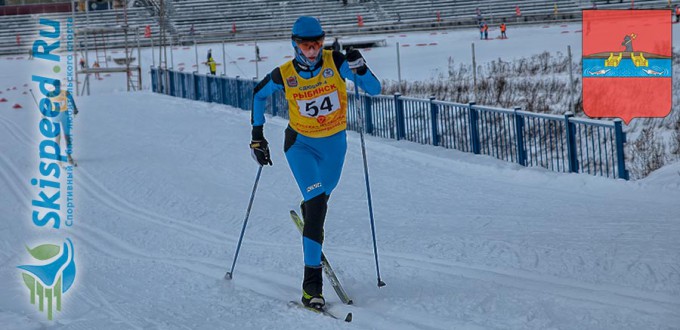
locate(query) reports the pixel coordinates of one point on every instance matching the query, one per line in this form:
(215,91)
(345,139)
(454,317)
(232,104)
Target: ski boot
(312,288)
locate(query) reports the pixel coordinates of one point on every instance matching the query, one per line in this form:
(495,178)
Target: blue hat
(307,28)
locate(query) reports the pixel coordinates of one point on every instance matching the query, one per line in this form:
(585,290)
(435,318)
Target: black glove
(259,147)
(356,61)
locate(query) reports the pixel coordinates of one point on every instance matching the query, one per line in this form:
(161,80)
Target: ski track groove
(117,313)
(123,250)
(14,130)
(601,294)
(118,203)
(20,191)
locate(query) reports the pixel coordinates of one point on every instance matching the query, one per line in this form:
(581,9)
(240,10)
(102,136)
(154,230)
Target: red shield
(627,63)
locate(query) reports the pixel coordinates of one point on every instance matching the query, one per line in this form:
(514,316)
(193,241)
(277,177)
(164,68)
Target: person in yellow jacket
(213,66)
(62,103)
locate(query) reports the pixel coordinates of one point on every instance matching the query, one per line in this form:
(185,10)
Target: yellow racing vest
(317,107)
(60,102)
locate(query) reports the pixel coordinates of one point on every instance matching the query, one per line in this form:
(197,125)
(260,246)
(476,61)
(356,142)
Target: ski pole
(368,185)
(230,273)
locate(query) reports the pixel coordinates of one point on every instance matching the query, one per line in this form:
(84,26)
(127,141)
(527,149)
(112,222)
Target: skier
(61,103)
(315,139)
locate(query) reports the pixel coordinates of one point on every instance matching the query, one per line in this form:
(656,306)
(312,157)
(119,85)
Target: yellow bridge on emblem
(613,60)
(639,60)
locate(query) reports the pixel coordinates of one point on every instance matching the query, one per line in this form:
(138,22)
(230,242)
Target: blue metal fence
(557,143)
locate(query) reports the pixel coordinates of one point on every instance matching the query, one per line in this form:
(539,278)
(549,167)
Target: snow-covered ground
(465,242)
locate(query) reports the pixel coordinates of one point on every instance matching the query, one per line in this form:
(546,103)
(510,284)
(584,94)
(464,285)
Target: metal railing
(557,143)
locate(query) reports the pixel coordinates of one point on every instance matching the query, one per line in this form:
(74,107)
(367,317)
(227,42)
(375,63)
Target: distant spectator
(483,31)
(82,63)
(213,66)
(398,18)
(30,53)
(336,45)
(344,2)
(503,28)
(191,30)
(677,13)
(257,53)
(95,65)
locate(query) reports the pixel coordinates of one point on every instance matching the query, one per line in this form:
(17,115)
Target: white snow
(465,241)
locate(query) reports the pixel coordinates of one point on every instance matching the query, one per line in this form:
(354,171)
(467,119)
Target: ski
(330,274)
(324,311)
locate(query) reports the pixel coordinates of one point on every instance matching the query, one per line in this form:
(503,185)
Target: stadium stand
(217,20)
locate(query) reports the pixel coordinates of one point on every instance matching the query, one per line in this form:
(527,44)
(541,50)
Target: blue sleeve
(270,84)
(368,81)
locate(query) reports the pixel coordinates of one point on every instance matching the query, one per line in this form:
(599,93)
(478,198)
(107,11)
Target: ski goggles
(307,45)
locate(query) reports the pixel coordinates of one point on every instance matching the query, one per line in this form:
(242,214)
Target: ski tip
(348,318)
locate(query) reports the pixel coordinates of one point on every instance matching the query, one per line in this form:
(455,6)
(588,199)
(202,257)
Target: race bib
(320,106)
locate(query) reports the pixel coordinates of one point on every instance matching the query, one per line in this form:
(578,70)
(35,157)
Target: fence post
(195,84)
(154,87)
(238,93)
(183,84)
(434,113)
(160,80)
(399,109)
(274,105)
(571,142)
(620,141)
(368,112)
(209,89)
(171,78)
(519,137)
(474,130)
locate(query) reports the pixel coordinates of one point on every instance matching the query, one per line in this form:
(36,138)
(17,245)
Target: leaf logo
(53,277)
